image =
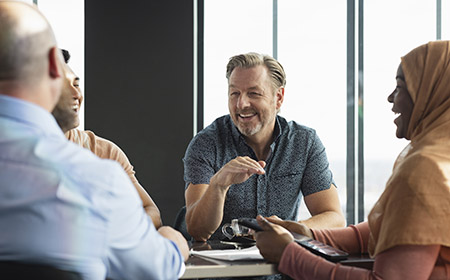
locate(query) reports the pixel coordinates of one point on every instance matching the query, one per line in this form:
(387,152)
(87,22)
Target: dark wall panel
(139,80)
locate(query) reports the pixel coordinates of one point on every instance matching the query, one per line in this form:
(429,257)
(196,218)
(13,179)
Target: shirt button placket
(261,196)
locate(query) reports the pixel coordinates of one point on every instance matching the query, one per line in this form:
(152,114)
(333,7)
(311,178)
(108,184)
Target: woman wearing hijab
(408,230)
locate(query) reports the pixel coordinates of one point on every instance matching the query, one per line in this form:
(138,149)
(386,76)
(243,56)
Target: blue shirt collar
(27,112)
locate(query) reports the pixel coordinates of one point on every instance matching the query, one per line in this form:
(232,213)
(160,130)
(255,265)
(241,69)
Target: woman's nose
(391,96)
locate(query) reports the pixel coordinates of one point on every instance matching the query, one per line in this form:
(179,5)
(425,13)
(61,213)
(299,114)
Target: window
(227,33)
(67,20)
(385,41)
(311,48)
(310,41)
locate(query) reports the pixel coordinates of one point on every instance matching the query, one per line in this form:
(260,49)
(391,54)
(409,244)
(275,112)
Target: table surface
(199,267)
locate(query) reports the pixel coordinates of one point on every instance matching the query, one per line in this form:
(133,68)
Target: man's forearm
(205,202)
(154,214)
(328,219)
(204,216)
(177,238)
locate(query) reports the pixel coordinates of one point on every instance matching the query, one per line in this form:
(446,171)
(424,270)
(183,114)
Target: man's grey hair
(249,60)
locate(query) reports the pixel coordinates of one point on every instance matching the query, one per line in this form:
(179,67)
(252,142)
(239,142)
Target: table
(198,267)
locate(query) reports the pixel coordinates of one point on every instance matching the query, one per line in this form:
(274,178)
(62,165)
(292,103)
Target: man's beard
(64,114)
(250,131)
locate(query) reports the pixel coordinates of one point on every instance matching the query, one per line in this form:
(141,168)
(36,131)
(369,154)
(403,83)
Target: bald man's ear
(55,68)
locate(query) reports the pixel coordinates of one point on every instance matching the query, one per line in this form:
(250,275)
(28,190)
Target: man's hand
(292,226)
(205,203)
(272,241)
(177,238)
(237,171)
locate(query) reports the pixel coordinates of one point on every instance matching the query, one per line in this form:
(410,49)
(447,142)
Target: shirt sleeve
(107,149)
(199,160)
(134,246)
(402,262)
(317,175)
(353,239)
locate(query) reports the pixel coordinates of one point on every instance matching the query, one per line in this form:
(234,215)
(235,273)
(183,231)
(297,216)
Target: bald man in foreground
(60,205)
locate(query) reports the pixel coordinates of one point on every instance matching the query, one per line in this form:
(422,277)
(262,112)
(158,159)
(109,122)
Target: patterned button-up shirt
(297,166)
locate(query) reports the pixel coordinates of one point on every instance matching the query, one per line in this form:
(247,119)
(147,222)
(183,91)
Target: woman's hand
(272,240)
(292,226)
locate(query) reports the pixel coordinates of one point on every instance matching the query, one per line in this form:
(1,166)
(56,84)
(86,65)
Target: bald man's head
(31,65)
(25,40)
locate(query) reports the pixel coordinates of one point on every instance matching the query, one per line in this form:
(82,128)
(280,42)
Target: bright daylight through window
(312,47)
(67,20)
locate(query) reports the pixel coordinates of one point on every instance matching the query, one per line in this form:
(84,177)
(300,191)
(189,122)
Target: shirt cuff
(182,270)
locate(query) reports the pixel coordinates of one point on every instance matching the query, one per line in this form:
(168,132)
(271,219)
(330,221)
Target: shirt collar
(27,112)
(277,131)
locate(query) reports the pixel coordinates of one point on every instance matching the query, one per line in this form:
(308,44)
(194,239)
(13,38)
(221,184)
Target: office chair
(180,223)
(17,270)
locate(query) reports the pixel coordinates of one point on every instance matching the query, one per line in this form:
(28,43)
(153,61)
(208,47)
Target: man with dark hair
(66,114)
(60,205)
(66,55)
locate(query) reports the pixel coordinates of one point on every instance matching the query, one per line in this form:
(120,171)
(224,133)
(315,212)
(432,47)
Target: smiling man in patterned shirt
(253,161)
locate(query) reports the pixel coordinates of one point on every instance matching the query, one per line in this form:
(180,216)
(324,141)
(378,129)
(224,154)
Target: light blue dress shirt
(61,205)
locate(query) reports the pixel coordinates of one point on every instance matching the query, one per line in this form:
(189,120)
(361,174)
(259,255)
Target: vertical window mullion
(200,62)
(275,30)
(438,19)
(350,111)
(360,111)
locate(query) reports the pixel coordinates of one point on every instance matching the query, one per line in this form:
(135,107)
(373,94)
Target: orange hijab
(414,208)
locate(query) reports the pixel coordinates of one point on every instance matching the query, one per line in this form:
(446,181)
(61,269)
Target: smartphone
(316,247)
(250,223)
(319,248)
